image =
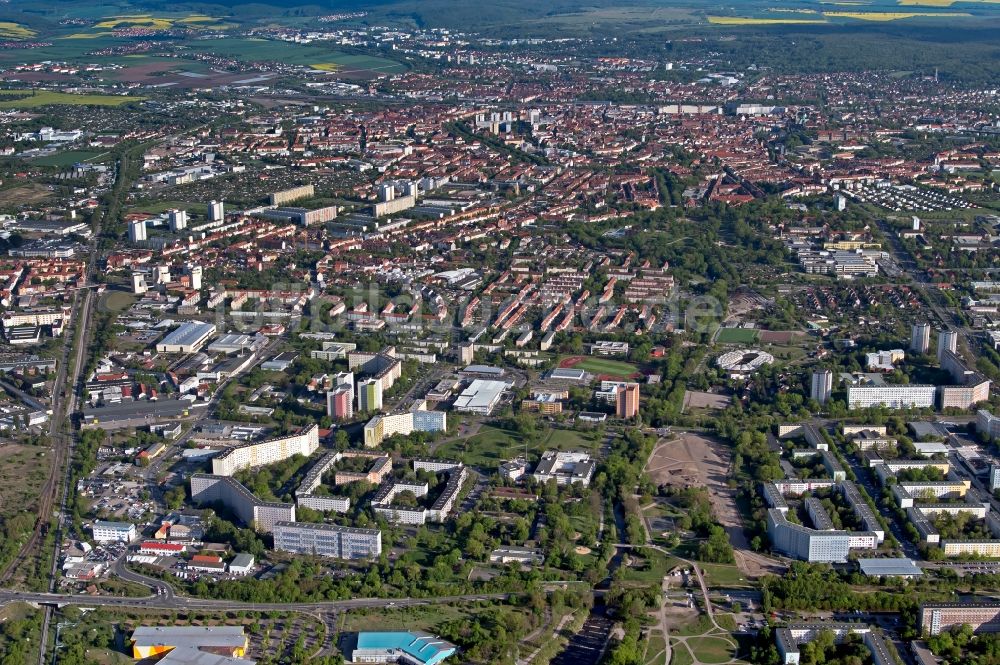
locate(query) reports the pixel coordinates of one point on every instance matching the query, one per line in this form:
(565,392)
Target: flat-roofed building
(409,648)
(481,397)
(187,338)
(150,641)
(253,454)
(565,468)
(382,427)
(369,395)
(936,618)
(890,567)
(329,540)
(261,515)
(910,396)
(114,532)
(609,348)
(988,424)
(790,638)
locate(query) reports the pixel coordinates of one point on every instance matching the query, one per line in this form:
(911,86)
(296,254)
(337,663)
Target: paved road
(121,570)
(173,602)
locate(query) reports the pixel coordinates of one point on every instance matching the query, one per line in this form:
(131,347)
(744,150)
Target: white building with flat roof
(481,397)
(114,532)
(565,468)
(187,338)
(892,396)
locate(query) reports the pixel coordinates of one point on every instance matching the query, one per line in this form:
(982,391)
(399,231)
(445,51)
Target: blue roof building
(412,648)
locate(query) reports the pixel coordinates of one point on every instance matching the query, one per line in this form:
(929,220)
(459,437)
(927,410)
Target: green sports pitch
(606,366)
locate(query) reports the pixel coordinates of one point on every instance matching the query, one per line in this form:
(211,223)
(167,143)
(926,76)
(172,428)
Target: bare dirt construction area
(781,336)
(32,193)
(695,399)
(695,460)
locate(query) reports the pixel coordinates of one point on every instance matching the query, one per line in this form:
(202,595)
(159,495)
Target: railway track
(62,443)
(64,399)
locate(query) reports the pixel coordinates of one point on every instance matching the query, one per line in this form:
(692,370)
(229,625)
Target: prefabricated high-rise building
(216,211)
(822,385)
(920,337)
(178,220)
(137,230)
(195,275)
(947,341)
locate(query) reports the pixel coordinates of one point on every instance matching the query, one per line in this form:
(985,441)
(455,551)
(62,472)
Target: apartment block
(269,451)
(329,540)
(936,618)
(210,488)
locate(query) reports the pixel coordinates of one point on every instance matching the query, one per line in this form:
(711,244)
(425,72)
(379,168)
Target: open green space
(737,336)
(699,626)
(711,649)
(648,565)
(493,445)
(654,649)
(424,617)
(679,654)
(67,158)
(727,621)
(116,301)
(49,97)
(722,575)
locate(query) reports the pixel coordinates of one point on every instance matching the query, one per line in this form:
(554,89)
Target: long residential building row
(261,515)
(936,618)
(418,419)
(790,638)
(279,519)
(260,453)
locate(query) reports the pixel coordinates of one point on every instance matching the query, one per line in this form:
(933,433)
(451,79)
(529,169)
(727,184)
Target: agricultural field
(740,20)
(318,57)
(9,30)
(51,98)
(894,16)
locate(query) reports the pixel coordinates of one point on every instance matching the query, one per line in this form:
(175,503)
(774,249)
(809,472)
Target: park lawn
(490,446)
(737,336)
(722,575)
(569,439)
(727,621)
(679,654)
(650,566)
(116,301)
(787,353)
(711,649)
(493,445)
(49,97)
(699,626)
(67,158)
(654,648)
